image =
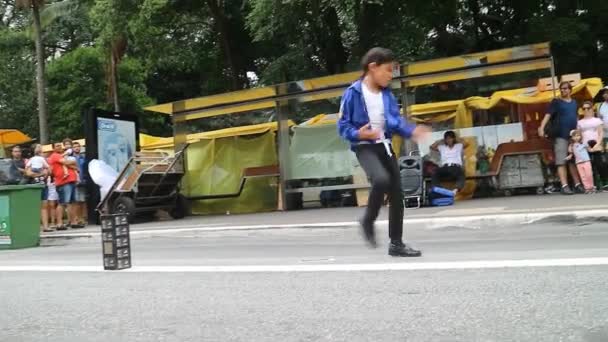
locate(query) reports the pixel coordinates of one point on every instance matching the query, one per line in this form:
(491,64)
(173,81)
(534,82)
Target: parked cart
(521,171)
(149,181)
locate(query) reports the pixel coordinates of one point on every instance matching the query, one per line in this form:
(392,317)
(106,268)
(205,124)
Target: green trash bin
(20,216)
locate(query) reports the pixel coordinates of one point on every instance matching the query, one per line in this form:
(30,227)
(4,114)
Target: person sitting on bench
(450,149)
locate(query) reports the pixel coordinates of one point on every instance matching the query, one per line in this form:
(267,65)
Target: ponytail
(376,55)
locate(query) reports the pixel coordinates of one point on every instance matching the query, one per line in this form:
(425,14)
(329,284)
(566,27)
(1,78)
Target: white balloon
(103,175)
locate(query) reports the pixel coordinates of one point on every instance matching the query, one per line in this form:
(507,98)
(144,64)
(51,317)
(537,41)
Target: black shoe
(566,190)
(369,233)
(402,250)
(578,188)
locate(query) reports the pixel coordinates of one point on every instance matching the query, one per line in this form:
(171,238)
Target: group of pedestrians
(579,145)
(60,172)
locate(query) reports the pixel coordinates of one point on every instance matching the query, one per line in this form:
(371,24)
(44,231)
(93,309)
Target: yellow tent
(145,139)
(10,137)
(462,110)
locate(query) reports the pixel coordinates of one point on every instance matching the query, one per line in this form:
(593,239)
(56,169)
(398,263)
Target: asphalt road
(565,303)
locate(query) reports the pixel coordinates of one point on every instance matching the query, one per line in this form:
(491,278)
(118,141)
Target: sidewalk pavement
(472,214)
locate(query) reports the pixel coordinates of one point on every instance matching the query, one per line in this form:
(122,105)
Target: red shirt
(57,171)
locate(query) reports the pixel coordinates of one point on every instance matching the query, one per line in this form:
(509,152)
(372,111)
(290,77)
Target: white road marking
(471,211)
(398,266)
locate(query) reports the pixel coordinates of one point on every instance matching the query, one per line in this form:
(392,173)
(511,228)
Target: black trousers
(449,173)
(383,172)
(600,169)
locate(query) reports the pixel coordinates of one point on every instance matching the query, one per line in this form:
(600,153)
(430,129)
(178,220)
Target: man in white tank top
(451,168)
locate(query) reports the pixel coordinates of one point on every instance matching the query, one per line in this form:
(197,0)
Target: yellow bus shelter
(285,100)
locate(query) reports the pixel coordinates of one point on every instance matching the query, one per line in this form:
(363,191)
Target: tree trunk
(474,8)
(367,16)
(114,81)
(224,35)
(118,48)
(40,78)
(332,47)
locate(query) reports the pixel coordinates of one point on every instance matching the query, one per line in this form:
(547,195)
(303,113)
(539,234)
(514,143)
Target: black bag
(602,166)
(14,175)
(553,126)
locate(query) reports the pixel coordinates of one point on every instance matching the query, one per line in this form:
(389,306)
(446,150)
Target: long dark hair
(376,55)
(449,134)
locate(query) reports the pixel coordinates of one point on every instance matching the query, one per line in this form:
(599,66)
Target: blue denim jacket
(353,115)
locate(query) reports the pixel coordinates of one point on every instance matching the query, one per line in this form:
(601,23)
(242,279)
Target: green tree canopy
(175,49)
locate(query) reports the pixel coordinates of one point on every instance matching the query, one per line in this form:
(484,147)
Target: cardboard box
(573,79)
(545,84)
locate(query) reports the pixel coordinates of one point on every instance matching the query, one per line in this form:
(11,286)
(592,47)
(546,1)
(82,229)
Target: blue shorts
(44,194)
(81,194)
(67,193)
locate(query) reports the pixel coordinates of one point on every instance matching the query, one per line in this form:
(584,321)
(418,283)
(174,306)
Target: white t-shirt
(37,163)
(375,109)
(451,155)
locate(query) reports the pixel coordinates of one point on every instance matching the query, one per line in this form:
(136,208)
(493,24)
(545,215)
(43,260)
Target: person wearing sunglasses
(567,110)
(592,130)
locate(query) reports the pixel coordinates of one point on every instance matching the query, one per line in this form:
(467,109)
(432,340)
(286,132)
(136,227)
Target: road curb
(469,221)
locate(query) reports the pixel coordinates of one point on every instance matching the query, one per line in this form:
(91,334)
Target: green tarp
(215,167)
(318,152)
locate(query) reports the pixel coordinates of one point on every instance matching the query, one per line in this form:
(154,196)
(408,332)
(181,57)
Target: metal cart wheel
(182,207)
(508,193)
(540,190)
(124,205)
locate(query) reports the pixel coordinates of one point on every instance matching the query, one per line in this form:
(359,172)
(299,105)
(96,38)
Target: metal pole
(553,76)
(406,145)
(281,109)
(180,134)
